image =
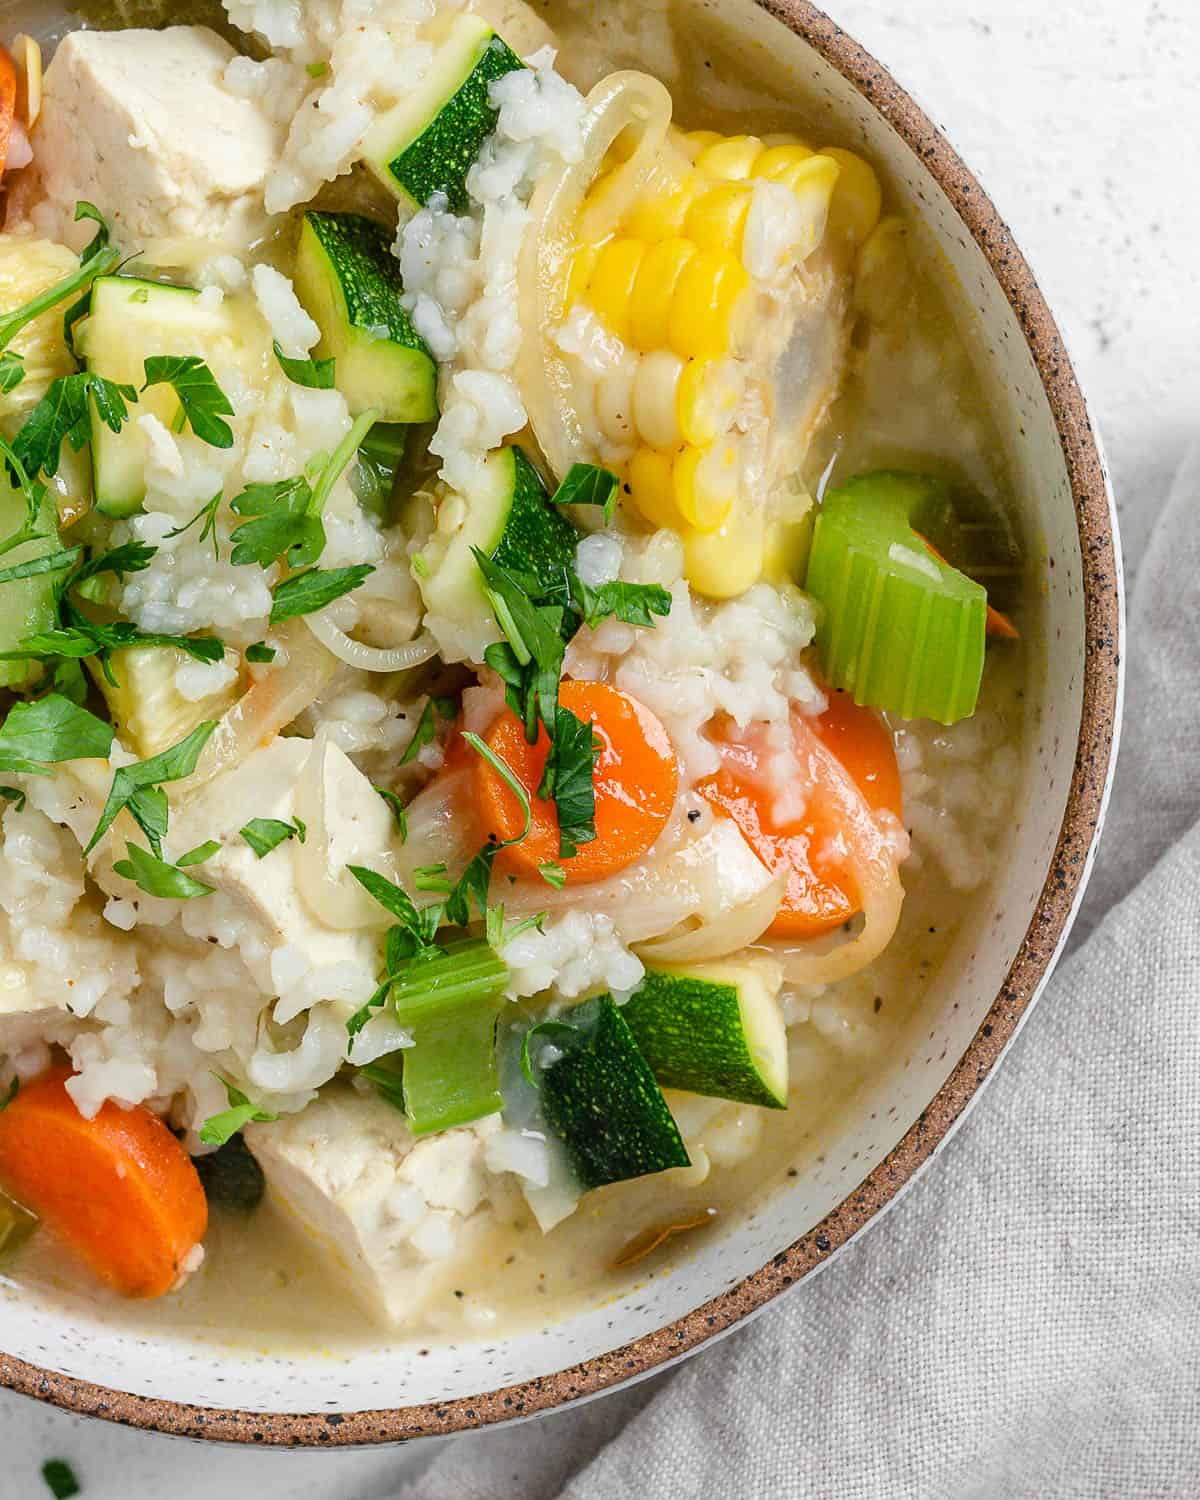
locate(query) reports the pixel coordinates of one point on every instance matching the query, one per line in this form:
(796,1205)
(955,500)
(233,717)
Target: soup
(513,665)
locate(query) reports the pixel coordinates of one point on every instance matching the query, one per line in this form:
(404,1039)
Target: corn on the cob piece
(27,268)
(696,283)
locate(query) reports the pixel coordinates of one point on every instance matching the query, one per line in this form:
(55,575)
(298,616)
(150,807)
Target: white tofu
(400,1218)
(140,124)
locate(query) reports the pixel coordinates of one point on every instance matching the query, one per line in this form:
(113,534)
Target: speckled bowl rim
(1080,827)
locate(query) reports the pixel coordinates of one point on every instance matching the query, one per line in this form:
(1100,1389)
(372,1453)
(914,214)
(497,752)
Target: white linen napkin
(1027,1320)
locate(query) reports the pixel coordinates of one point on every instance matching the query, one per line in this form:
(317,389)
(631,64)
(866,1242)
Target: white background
(1083,120)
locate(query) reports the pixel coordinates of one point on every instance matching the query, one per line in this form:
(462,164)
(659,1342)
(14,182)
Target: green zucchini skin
(438,160)
(695,1035)
(603,1102)
(349,282)
(537,537)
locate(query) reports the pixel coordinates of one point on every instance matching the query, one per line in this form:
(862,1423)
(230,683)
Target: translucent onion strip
(370,658)
(275,700)
(727,933)
(818,963)
(620,102)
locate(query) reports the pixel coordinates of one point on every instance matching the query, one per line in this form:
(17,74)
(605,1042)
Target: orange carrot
(119,1190)
(817,849)
(8,102)
(636,779)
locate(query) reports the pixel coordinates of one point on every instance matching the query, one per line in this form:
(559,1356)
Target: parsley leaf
(200,855)
(568,777)
(586,484)
(631,603)
(207,514)
(399,904)
(158,878)
(265,834)
(530,663)
(202,402)
(260,653)
(426,731)
(399,811)
(220,1129)
(65,412)
(15,796)
(12,371)
(284,523)
(55,562)
(305,593)
(80,637)
(475,881)
(49,731)
(137,787)
(130,557)
(60,1479)
(553,874)
(316,374)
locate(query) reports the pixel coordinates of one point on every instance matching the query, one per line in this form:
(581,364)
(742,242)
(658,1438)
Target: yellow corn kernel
(696,141)
(777,163)
(583,263)
(730,159)
(857,199)
(614,403)
(717,219)
(653,290)
(659,215)
(814,183)
(705,303)
(782,138)
(705,484)
(656,399)
(610,285)
(707,397)
(724,563)
(652,488)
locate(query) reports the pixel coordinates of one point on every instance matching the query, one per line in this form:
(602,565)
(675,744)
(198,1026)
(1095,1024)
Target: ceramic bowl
(1000,962)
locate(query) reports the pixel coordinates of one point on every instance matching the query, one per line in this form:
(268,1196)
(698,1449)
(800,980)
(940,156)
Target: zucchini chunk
(713,1029)
(428,143)
(26,604)
(149,711)
(349,282)
(128,321)
(602,1101)
(509,517)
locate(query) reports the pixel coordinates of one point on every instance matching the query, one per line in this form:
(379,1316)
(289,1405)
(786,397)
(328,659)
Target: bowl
(1000,961)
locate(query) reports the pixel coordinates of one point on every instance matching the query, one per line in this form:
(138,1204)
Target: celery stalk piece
(450,1004)
(16,1225)
(899,629)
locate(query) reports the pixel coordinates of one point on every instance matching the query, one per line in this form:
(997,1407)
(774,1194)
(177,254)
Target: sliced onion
(371,658)
(818,963)
(335,898)
(621,101)
(727,933)
(441,827)
(275,700)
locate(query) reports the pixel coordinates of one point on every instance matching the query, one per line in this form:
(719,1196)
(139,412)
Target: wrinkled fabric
(1027,1320)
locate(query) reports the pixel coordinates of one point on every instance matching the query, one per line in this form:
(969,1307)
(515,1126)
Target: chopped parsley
(553,874)
(206,519)
(316,374)
(12,371)
(138,788)
(65,413)
(426,731)
(399,811)
(10,1093)
(265,834)
(306,593)
(157,877)
(203,405)
(631,603)
(282,522)
(49,731)
(587,484)
(219,1129)
(260,653)
(60,1479)
(54,562)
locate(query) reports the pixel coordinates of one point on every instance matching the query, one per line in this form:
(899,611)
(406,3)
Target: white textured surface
(1083,122)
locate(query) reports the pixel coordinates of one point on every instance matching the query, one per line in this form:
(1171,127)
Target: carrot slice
(119,1190)
(8,102)
(636,778)
(817,847)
